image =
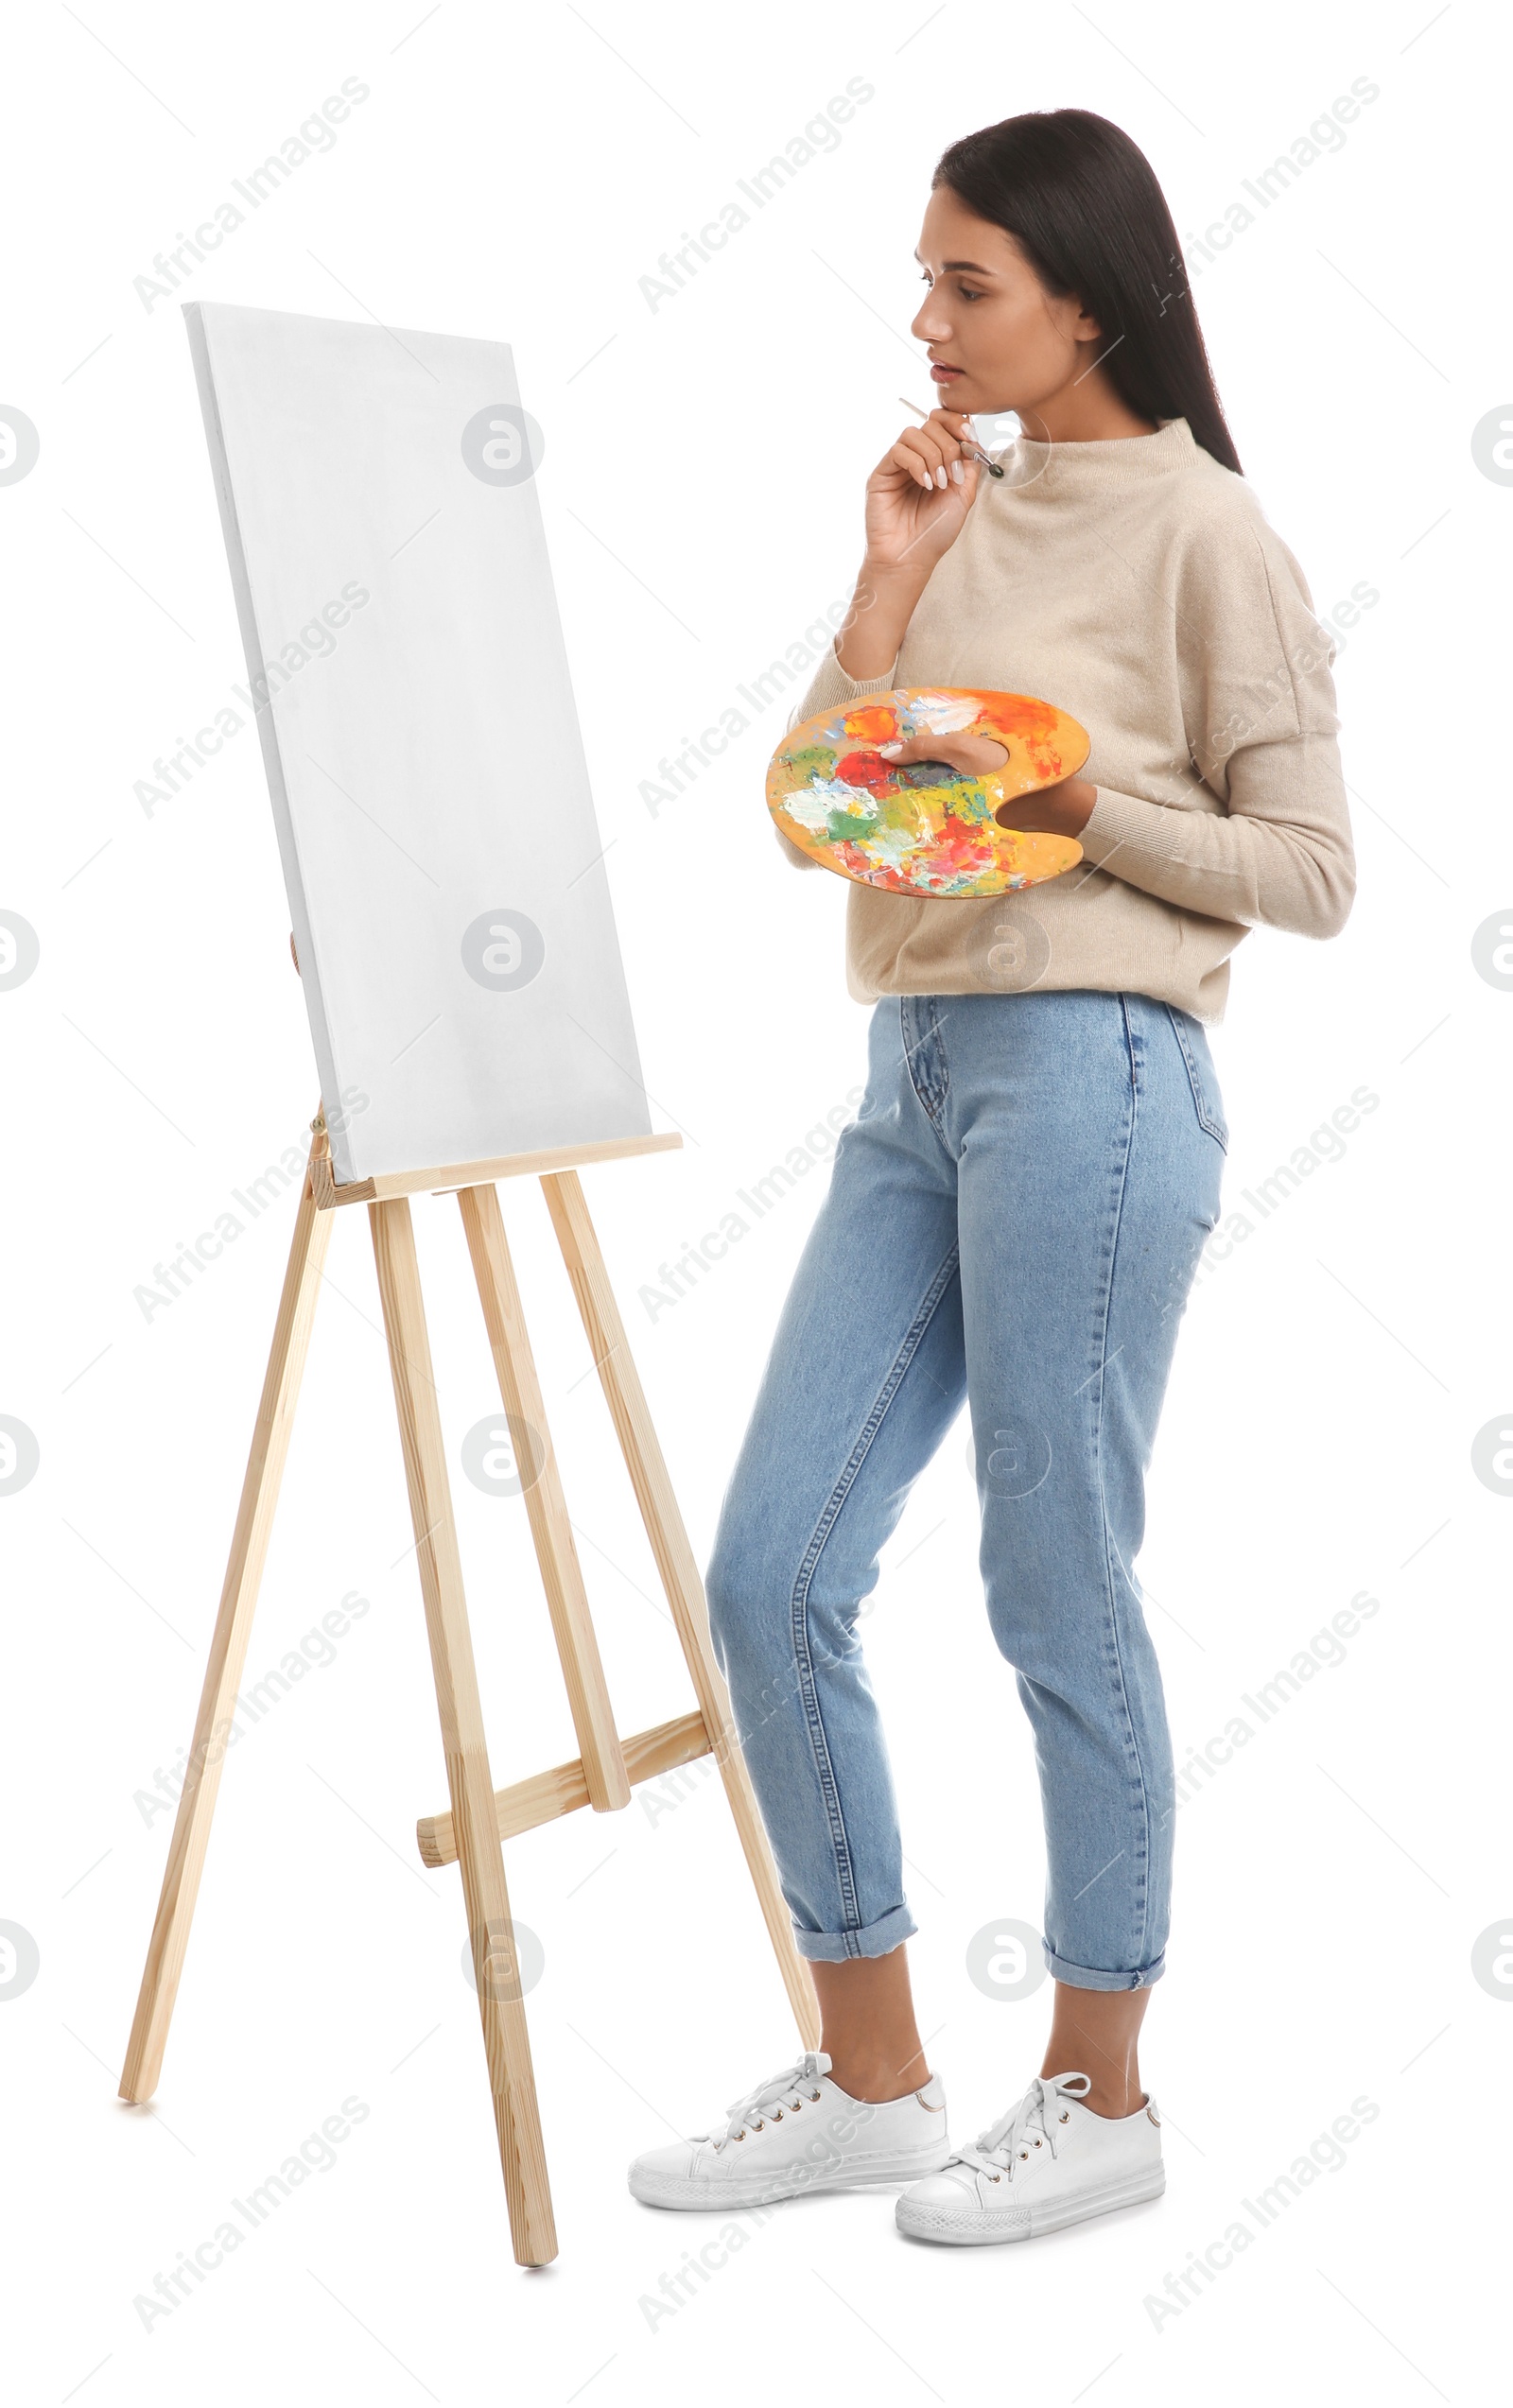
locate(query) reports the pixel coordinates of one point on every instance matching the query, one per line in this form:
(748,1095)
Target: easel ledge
(388,1183)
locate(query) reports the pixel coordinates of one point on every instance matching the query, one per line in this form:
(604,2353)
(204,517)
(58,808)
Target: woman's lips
(942,375)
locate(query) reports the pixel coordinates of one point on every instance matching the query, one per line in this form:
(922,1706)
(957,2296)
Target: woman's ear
(1071,319)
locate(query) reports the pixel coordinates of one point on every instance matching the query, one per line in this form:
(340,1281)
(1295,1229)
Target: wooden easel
(482,1817)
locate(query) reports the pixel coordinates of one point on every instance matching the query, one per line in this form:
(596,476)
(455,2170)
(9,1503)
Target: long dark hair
(1084,201)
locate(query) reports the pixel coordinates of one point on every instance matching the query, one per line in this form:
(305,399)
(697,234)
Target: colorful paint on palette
(924,828)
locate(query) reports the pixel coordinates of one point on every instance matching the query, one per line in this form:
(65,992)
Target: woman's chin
(976,398)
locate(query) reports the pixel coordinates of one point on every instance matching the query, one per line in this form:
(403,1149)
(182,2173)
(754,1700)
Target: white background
(515,177)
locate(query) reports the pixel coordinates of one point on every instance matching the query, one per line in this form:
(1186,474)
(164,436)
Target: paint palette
(924,828)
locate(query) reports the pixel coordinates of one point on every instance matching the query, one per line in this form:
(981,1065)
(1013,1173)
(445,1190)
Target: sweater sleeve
(1260,719)
(830,685)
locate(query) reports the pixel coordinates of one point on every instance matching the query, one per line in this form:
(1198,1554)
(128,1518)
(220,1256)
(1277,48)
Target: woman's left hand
(1054,810)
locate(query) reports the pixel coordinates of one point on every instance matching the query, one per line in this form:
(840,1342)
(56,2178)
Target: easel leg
(505,2039)
(228,1650)
(550,1526)
(680,1573)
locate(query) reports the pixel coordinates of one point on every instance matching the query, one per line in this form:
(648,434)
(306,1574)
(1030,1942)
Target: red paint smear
(852,857)
(866,769)
(962,846)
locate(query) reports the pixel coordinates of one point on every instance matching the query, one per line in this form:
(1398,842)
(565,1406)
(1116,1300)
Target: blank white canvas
(424,759)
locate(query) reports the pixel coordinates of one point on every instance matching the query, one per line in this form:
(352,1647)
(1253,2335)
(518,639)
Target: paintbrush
(975,449)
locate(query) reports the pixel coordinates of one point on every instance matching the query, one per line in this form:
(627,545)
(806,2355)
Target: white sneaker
(1049,2161)
(797,2131)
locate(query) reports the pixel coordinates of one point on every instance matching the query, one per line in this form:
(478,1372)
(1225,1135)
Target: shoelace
(1005,2146)
(794,2085)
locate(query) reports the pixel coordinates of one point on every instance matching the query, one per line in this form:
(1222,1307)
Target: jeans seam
(930,1109)
(1218,1133)
(1142,1882)
(819,1742)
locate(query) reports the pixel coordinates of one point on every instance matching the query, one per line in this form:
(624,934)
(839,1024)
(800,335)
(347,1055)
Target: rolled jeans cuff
(1085,1977)
(866,1939)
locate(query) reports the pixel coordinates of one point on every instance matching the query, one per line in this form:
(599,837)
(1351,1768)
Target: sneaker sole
(894,2166)
(975,2227)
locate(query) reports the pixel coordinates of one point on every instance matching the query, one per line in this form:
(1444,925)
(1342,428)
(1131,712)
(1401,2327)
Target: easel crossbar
(564,1787)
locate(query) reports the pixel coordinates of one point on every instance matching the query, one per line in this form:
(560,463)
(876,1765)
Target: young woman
(1015,1216)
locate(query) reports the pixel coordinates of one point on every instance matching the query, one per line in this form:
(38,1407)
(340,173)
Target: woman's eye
(965,291)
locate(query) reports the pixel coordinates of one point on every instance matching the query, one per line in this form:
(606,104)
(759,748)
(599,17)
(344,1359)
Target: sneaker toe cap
(674,2163)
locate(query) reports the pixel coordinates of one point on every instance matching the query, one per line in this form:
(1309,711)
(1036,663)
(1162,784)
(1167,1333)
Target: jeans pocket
(1202,1077)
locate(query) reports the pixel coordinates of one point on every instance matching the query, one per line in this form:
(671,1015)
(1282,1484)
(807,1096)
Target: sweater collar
(1072,468)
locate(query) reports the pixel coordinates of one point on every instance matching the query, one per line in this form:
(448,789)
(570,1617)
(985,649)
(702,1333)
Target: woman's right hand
(919,493)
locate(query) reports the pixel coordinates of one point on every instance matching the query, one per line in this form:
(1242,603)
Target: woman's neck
(1086,411)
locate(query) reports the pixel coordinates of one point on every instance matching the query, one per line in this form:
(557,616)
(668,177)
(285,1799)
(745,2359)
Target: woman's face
(988,319)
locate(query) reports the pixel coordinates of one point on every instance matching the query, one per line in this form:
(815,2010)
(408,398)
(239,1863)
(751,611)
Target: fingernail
(889,749)
(940,477)
(956,472)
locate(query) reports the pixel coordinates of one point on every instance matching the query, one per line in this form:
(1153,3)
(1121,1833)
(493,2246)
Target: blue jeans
(1014,1219)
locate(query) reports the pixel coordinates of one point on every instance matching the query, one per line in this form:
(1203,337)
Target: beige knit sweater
(1137,584)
